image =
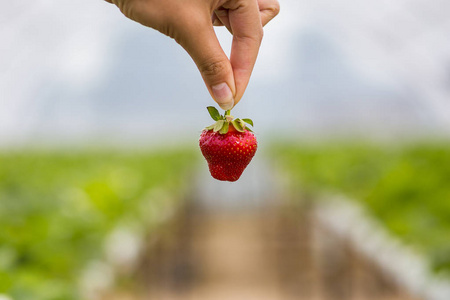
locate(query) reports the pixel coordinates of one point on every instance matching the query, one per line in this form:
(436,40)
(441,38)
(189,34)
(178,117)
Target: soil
(277,254)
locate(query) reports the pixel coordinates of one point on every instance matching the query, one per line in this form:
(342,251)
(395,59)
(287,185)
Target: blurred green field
(406,187)
(56,209)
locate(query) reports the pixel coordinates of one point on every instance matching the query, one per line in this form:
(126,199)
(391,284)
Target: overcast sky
(77,71)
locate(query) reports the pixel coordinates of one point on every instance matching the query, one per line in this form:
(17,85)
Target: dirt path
(233,252)
(261,255)
(231,260)
(242,243)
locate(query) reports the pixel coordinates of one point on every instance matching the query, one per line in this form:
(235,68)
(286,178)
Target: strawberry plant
(406,187)
(57,209)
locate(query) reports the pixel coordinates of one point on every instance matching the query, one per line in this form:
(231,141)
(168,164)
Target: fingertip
(223,95)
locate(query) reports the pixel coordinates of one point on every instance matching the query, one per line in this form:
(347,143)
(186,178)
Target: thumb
(203,46)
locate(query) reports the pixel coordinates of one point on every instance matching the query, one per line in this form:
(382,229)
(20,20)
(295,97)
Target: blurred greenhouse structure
(104,193)
(351,68)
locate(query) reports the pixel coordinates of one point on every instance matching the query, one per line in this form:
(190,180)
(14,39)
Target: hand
(190,23)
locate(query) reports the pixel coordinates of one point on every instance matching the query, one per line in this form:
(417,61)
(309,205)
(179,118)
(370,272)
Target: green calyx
(223,123)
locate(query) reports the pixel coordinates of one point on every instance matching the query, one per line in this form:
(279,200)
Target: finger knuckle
(128,8)
(270,9)
(254,39)
(275,8)
(212,68)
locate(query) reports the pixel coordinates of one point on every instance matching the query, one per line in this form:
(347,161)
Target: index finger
(245,22)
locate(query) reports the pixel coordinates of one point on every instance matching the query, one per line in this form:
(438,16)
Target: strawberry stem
(227,113)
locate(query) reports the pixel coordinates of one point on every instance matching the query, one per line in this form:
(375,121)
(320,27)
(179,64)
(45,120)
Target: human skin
(190,24)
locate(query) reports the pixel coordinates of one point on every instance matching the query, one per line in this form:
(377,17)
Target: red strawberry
(227,149)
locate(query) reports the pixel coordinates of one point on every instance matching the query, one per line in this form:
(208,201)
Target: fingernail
(223,96)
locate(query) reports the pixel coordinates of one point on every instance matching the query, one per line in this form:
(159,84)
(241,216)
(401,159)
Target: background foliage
(406,187)
(57,208)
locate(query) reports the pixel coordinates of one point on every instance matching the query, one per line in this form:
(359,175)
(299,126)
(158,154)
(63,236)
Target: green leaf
(214,113)
(210,127)
(224,128)
(218,125)
(248,121)
(237,125)
(242,123)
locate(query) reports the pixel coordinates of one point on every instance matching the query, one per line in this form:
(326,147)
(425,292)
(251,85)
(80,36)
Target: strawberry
(228,145)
